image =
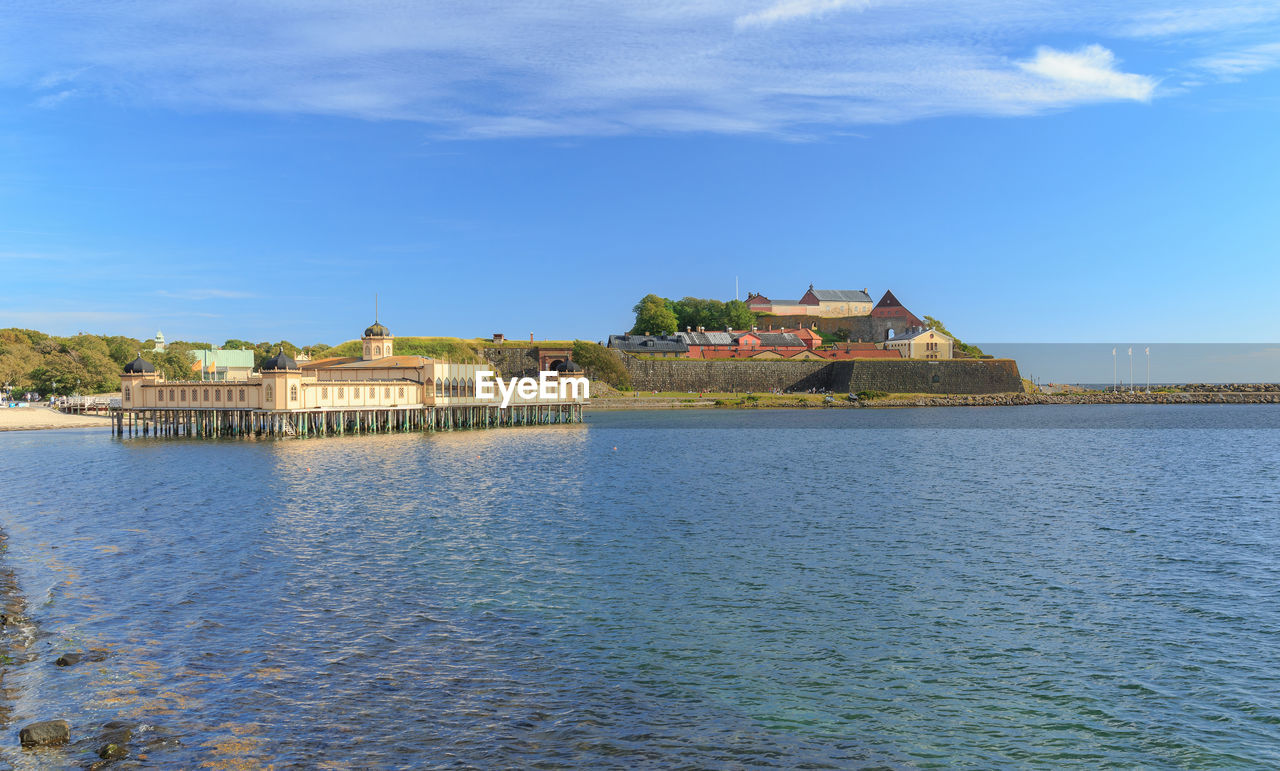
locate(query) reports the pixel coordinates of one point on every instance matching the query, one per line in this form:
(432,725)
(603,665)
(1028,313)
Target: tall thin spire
(375,307)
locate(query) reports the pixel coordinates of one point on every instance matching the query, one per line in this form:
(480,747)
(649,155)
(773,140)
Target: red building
(889,308)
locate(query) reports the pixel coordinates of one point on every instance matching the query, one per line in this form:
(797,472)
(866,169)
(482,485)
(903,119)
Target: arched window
(230,395)
(339,392)
(182,394)
(439,388)
(401,392)
(217,394)
(126,393)
(206,394)
(268,393)
(372,392)
(386,392)
(377,350)
(159,394)
(293,393)
(453,387)
(241,394)
(324,393)
(471,387)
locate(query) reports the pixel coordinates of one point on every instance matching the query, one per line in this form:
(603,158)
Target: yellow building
(825,303)
(921,344)
(377,386)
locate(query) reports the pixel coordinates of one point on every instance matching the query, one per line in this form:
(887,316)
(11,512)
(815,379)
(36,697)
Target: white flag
(1113,351)
(1148,350)
(1131,350)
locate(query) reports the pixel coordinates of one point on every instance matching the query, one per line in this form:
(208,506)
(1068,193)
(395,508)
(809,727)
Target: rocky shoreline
(1010,400)
(98,746)
(1266,393)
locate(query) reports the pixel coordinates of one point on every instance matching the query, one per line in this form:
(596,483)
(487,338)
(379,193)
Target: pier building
(377,391)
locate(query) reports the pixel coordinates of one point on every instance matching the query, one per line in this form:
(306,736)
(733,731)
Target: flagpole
(1115,371)
(1148,369)
(1131,368)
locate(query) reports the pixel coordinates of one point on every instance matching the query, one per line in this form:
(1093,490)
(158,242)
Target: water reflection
(755,597)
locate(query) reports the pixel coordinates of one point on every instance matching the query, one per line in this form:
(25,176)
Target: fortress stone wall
(956,376)
(861,328)
(513,362)
(914,376)
(697,375)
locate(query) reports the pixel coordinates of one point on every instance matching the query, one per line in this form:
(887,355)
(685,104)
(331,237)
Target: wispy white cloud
(1169,22)
(1233,65)
(1086,75)
(504,68)
(787,10)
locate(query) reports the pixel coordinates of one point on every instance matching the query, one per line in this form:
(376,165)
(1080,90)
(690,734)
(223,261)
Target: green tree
(654,315)
(122,349)
(933,323)
(601,364)
(738,316)
(694,312)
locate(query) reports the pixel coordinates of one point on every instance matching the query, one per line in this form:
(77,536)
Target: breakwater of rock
(1010,400)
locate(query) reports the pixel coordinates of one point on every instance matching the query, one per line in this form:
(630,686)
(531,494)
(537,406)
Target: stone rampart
(860,328)
(698,375)
(513,362)
(980,376)
(914,376)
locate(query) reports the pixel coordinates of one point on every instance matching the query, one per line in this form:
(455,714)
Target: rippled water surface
(1091,586)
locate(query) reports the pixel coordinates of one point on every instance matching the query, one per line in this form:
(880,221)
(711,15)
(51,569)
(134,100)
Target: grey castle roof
(915,334)
(281,361)
(706,338)
(138,366)
(779,340)
(377,330)
(841,295)
(648,343)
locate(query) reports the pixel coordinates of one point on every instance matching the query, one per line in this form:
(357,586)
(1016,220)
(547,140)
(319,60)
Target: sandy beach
(34,418)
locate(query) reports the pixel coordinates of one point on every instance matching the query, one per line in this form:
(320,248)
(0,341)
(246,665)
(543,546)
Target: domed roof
(568,365)
(138,366)
(281,361)
(377,330)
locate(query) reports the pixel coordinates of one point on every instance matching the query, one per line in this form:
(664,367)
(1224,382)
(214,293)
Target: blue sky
(1028,172)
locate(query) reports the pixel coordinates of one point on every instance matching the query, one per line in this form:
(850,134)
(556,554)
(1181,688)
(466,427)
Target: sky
(1029,172)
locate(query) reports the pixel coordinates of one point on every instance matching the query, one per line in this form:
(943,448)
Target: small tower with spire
(377,338)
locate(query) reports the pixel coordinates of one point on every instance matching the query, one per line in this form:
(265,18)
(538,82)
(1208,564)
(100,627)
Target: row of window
(455,387)
(181,394)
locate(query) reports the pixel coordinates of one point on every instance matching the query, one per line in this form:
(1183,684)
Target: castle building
(826,303)
(890,309)
(921,343)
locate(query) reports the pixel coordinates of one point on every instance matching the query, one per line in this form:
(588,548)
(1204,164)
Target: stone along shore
(1002,400)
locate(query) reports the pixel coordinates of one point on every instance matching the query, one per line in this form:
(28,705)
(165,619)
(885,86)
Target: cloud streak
(788,10)
(501,68)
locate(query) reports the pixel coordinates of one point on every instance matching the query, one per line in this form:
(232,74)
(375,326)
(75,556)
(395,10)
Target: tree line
(661,316)
(87,364)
